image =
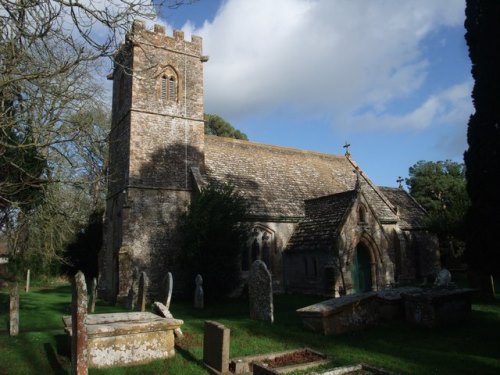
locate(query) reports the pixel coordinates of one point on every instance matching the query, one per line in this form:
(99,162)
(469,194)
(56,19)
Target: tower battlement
(159,39)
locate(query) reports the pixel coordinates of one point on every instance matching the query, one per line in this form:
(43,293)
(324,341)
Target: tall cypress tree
(482,159)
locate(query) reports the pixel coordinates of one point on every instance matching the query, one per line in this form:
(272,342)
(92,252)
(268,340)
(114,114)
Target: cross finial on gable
(346,146)
(400,181)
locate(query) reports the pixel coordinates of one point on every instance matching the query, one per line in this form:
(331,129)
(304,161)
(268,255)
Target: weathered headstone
(27,281)
(133,291)
(143,289)
(443,279)
(216,347)
(160,309)
(14,310)
(93,295)
(260,292)
(198,293)
(79,336)
(168,284)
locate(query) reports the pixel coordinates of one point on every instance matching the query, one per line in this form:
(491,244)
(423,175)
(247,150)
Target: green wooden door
(361,270)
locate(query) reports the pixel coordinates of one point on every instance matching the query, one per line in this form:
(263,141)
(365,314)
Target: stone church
(317,220)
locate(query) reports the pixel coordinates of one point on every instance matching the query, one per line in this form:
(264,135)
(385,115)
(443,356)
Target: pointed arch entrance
(361,269)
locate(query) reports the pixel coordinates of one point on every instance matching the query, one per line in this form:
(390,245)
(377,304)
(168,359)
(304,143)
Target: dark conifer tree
(482,159)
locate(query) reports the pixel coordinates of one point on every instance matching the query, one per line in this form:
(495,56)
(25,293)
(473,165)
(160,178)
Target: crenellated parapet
(159,39)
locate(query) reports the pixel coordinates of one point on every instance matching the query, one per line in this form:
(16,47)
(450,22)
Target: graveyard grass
(43,348)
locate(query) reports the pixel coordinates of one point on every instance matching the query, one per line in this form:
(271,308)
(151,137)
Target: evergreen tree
(482,159)
(216,125)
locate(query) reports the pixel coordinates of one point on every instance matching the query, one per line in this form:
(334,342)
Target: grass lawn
(471,347)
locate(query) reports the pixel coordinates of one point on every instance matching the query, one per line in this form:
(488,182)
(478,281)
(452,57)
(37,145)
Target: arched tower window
(167,85)
(172,89)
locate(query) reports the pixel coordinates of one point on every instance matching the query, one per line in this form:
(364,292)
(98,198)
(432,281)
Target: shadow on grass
(53,360)
(188,356)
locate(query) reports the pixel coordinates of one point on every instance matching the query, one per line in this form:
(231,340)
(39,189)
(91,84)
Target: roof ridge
(374,187)
(270,146)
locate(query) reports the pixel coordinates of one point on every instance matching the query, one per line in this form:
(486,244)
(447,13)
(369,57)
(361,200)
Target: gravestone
(198,293)
(216,347)
(168,284)
(14,310)
(79,338)
(143,289)
(28,281)
(443,279)
(160,309)
(93,295)
(133,291)
(260,292)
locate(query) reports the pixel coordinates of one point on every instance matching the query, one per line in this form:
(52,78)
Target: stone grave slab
(344,314)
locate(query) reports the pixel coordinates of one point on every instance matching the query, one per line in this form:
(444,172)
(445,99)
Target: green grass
(471,347)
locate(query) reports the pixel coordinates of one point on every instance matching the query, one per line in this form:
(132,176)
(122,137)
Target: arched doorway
(361,273)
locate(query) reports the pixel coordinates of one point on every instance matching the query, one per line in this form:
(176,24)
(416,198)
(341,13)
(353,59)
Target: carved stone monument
(443,279)
(260,292)
(14,310)
(198,293)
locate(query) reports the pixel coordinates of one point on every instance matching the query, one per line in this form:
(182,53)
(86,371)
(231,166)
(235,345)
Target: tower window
(164,84)
(172,89)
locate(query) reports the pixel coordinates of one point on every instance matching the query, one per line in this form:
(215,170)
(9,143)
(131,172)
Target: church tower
(156,140)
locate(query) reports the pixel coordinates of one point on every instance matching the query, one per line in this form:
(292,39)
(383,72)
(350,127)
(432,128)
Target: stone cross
(28,281)
(14,310)
(93,295)
(143,290)
(198,293)
(260,292)
(346,146)
(168,284)
(79,337)
(216,347)
(400,182)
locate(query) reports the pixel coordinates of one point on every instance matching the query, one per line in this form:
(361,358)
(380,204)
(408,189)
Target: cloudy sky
(390,77)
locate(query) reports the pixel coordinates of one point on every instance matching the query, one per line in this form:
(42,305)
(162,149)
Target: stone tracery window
(261,247)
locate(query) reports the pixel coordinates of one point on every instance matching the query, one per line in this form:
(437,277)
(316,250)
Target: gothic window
(315,267)
(266,256)
(172,89)
(255,250)
(306,267)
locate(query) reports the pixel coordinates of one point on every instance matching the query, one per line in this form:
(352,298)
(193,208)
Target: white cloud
(448,107)
(325,56)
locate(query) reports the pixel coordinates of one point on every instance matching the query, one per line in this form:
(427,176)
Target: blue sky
(391,77)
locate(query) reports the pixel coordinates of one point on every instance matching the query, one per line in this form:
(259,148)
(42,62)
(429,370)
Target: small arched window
(172,89)
(306,267)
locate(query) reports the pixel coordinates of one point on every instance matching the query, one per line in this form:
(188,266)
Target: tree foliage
(439,187)
(216,125)
(482,159)
(214,237)
(51,117)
